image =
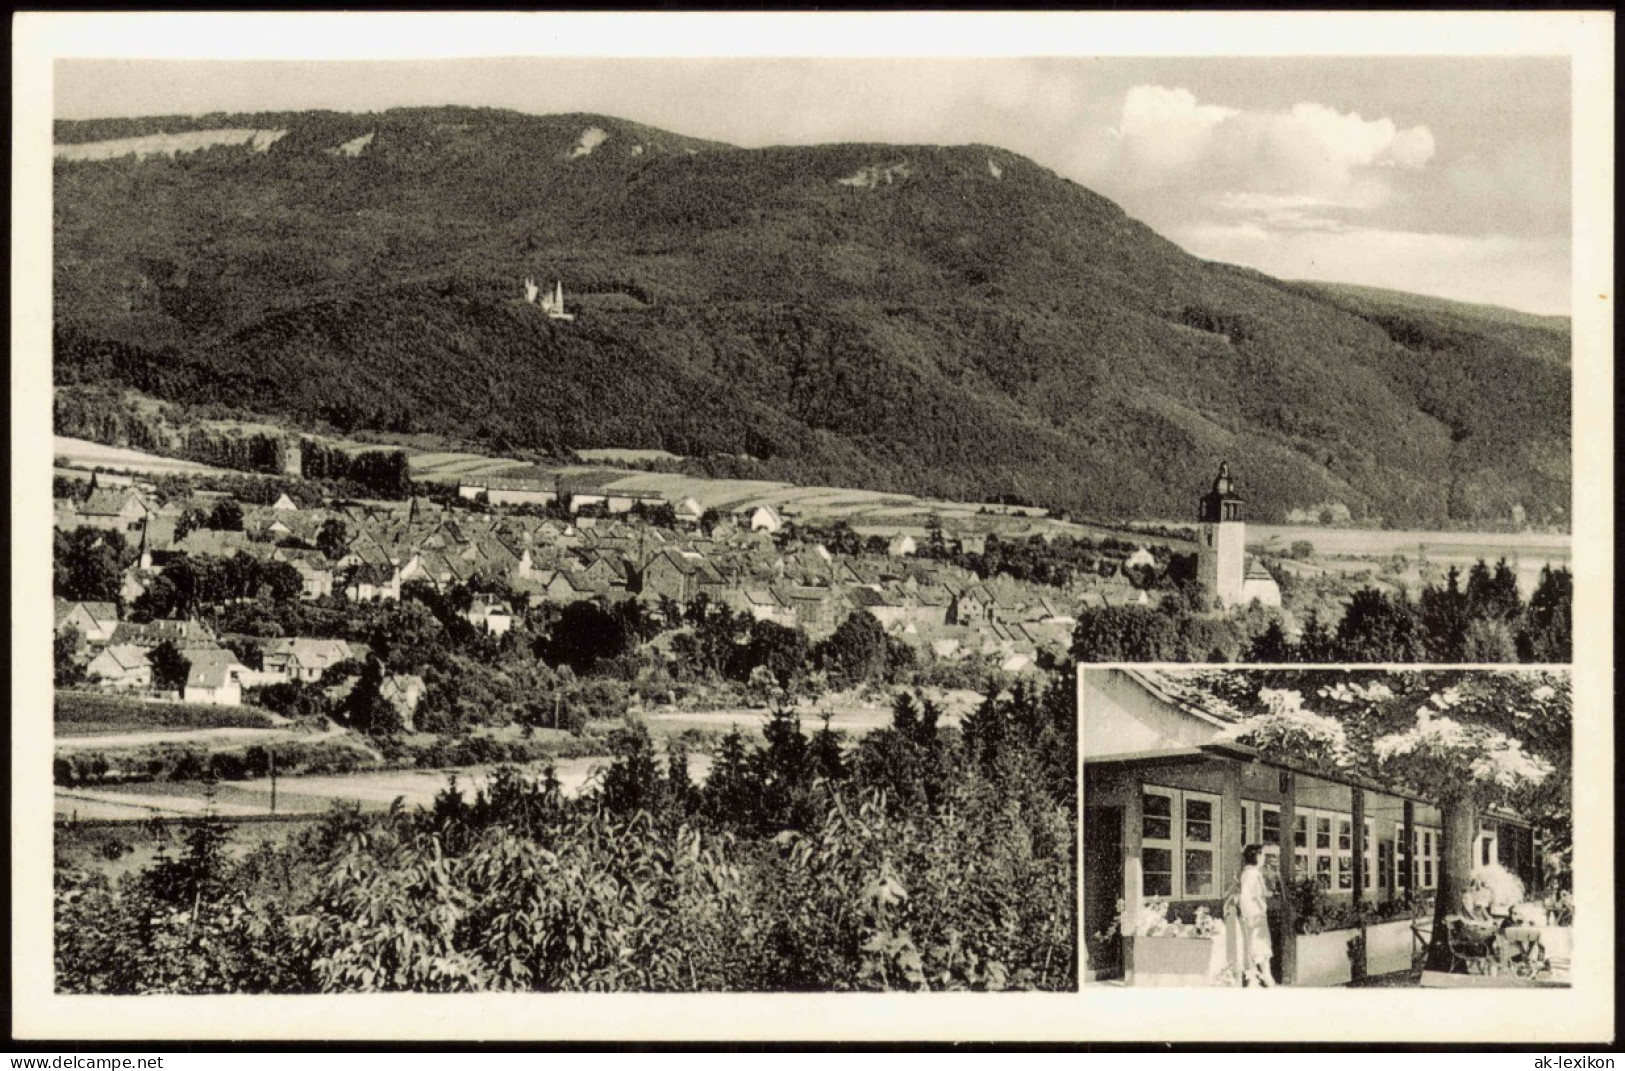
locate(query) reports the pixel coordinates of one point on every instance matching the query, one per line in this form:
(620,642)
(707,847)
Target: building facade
(1221,554)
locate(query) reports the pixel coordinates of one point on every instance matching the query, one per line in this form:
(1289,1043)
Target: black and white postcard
(694,526)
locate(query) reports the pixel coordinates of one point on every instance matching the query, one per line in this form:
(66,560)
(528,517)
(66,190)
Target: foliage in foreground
(917,858)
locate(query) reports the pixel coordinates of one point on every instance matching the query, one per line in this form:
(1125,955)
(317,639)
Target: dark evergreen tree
(1546,634)
(169,667)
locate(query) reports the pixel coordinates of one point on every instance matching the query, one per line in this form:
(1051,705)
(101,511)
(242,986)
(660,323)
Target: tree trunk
(1461,822)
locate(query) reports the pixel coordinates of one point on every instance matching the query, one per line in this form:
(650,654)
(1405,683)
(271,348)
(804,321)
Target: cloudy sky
(1439,175)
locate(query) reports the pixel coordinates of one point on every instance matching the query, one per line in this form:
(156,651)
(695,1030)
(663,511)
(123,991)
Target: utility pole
(272,752)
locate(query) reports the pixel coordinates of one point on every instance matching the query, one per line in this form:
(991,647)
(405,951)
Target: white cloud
(1166,129)
(1167,139)
(1311,192)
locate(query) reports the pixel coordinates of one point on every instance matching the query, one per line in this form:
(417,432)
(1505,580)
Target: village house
(761,518)
(213,676)
(403,691)
(678,576)
(688,511)
(370,582)
(888,606)
(114,509)
(818,610)
(315,578)
(1169,803)
(1140,559)
(158,535)
(902,545)
(970,607)
(210,543)
(122,665)
(1259,586)
(297,658)
(566,586)
(95,621)
(183,634)
(490,615)
(762,604)
(513,492)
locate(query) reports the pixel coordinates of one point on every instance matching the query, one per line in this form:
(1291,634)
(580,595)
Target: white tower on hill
(1221,555)
(551,303)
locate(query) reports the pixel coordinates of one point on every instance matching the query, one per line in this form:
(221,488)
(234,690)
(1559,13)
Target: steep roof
(112,501)
(208,542)
(126,656)
(310,652)
(1178,690)
(210,668)
(100,612)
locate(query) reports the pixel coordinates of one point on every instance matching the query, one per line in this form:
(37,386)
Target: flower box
(1389,947)
(1323,958)
(1172,961)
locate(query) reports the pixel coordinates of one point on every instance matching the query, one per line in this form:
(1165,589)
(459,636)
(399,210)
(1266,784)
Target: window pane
(1427,874)
(1345,836)
(1157,860)
(1345,873)
(1160,805)
(1300,865)
(1272,827)
(1199,831)
(1158,885)
(1323,832)
(1157,829)
(1300,826)
(1199,874)
(1323,871)
(1200,810)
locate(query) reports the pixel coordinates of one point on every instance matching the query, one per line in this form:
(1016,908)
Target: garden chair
(1421,934)
(1472,947)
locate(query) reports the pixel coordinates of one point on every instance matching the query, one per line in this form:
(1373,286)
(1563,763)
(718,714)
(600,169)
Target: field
(1352,550)
(82,453)
(89,714)
(1374,542)
(877,512)
(622,455)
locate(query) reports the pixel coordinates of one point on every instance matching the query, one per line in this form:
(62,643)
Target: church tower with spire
(1221,554)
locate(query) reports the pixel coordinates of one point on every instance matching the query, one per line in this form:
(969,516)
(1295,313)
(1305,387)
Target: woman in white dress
(1252,910)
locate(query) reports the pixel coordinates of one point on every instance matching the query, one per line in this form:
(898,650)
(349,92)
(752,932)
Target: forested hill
(956,322)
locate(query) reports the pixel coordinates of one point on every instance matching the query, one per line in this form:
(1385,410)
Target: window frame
(1211,846)
(1372,884)
(1344,830)
(1178,843)
(1170,844)
(1424,856)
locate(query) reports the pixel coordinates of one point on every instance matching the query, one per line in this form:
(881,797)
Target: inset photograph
(1326,827)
